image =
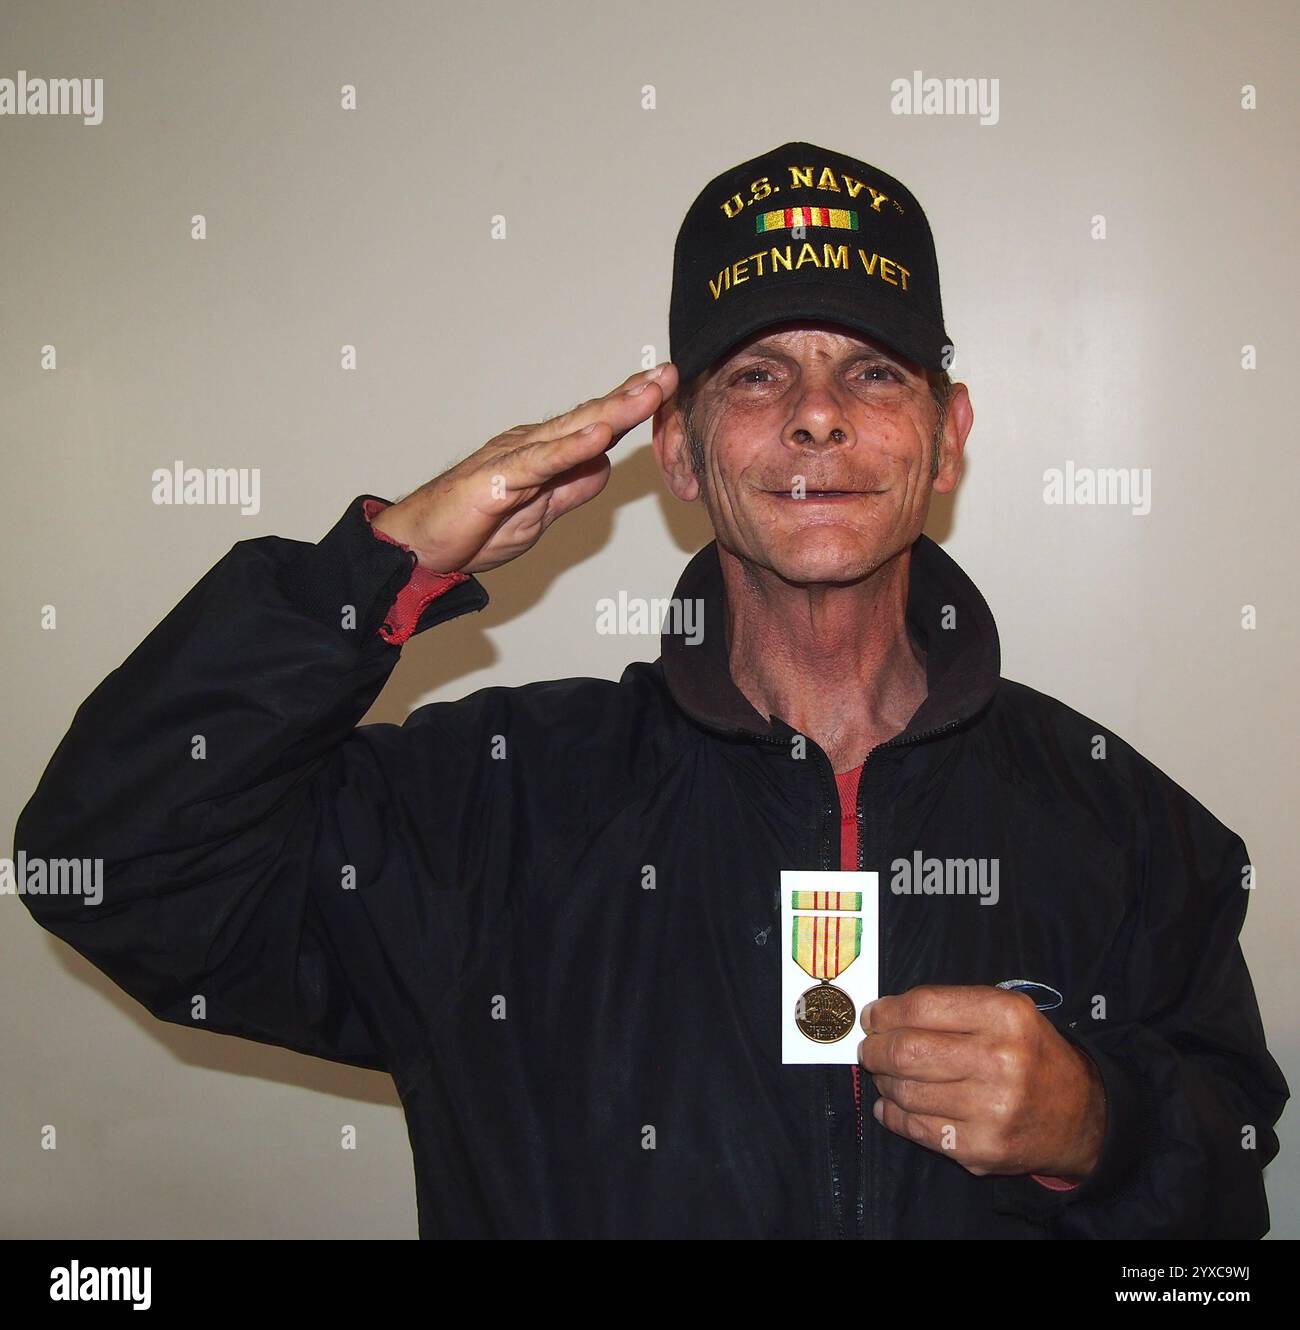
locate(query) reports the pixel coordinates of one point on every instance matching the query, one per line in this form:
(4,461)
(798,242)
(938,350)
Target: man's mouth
(817,494)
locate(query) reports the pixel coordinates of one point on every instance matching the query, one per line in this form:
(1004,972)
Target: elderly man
(553,912)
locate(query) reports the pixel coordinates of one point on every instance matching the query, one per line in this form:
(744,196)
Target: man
(550,911)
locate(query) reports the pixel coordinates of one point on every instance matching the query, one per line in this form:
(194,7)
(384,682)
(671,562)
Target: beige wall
(372,228)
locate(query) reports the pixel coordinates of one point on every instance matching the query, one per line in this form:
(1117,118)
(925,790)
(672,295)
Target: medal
(824,948)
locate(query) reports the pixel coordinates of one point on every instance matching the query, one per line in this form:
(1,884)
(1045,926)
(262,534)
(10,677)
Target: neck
(834,662)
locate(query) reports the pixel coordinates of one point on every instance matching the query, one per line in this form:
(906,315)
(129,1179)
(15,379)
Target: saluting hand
(493,506)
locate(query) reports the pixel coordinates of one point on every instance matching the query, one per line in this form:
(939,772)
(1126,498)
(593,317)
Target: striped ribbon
(782,219)
(825,900)
(825,946)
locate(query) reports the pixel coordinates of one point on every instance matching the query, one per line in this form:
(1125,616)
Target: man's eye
(879,368)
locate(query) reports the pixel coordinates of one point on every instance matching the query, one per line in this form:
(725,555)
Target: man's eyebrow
(766,347)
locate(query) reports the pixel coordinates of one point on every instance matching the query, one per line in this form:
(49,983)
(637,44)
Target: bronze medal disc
(825,1013)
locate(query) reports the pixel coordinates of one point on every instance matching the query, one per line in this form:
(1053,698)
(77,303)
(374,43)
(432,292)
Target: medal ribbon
(825,947)
(826,900)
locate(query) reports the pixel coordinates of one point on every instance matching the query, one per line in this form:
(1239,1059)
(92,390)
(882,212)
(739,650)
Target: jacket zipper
(828,810)
(868,1224)
(830,859)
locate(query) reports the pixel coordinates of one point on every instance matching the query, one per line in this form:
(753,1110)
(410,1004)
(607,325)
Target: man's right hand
(494,506)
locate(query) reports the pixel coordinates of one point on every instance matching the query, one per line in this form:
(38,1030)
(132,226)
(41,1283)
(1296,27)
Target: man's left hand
(978,1073)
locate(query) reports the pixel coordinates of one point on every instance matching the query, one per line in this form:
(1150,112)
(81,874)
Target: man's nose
(819,420)
(808,438)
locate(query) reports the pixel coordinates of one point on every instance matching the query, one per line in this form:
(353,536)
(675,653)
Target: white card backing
(860,980)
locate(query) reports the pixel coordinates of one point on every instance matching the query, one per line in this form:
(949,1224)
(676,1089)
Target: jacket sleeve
(1192,1091)
(256,855)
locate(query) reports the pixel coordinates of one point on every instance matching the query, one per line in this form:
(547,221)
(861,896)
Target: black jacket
(541,1010)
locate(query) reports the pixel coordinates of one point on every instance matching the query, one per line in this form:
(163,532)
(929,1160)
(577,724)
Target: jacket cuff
(423,586)
(349,567)
(1124,1145)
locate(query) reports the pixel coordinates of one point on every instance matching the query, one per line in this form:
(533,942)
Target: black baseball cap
(802,231)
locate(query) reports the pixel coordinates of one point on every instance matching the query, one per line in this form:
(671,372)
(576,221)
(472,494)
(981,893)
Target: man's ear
(673,450)
(956,427)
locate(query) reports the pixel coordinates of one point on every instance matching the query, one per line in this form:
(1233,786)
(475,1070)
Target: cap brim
(747,313)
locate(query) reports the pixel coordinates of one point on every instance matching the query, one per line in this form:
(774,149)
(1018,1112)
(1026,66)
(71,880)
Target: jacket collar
(963,661)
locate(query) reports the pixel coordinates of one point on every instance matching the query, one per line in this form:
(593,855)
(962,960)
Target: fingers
(534,464)
(586,431)
(520,461)
(921,1055)
(633,401)
(935,1133)
(957,1101)
(955,1007)
(579,486)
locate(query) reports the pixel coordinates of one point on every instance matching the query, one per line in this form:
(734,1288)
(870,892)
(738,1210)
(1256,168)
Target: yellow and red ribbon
(825,946)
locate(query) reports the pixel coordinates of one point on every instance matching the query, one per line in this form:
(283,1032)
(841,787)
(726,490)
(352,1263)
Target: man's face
(819,404)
